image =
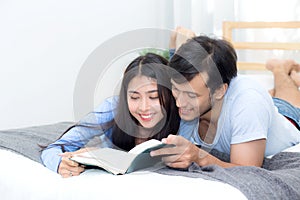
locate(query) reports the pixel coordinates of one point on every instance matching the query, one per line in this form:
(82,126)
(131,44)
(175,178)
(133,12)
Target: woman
(145,109)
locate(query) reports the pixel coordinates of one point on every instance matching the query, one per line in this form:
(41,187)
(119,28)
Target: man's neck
(208,123)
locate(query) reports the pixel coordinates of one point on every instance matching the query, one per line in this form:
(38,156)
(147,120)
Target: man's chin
(188,117)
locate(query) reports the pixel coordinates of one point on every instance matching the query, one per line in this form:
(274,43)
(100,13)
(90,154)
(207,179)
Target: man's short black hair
(216,57)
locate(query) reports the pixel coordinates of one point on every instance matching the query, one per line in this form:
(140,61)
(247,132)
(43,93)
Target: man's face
(192,98)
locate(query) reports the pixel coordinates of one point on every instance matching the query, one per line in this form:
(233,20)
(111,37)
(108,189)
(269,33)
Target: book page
(112,160)
(145,145)
(120,162)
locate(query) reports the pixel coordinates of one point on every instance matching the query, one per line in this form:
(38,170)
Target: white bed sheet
(22,178)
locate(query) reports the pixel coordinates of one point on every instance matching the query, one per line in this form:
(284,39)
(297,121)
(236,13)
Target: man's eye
(192,95)
(174,88)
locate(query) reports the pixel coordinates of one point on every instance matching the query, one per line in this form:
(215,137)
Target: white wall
(268,10)
(43,45)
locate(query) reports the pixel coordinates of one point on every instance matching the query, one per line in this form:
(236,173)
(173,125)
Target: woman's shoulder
(108,104)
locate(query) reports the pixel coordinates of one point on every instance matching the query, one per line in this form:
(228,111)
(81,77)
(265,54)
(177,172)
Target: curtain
(206,17)
(203,16)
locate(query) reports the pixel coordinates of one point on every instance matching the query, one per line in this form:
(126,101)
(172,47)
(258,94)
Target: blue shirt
(248,113)
(79,136)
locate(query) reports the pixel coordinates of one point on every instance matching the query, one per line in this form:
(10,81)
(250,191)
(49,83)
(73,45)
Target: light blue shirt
(247,114)
(79,137)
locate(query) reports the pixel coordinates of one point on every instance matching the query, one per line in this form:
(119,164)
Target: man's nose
(181,100)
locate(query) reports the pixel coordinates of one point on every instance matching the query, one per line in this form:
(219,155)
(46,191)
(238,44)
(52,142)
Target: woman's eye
(134,97)
(154,97)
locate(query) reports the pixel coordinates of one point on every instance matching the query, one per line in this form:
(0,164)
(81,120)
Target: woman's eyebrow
(136,92)
(132,91)
(152,91)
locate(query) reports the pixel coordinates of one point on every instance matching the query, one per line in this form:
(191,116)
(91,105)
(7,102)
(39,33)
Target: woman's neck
(143,135)
(140,140)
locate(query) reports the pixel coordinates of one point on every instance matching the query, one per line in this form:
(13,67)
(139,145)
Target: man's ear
(220,92)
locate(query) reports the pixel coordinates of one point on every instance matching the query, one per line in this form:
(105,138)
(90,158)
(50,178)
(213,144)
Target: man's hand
(182,155)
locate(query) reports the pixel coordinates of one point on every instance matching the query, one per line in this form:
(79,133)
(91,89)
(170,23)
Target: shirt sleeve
(80,135)
(251,117)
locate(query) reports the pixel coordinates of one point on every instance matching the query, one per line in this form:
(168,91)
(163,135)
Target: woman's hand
(68,167)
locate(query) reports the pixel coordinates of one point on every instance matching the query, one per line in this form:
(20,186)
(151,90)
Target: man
(221,110)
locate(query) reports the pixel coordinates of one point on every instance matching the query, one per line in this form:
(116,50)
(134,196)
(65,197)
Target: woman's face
(143,101)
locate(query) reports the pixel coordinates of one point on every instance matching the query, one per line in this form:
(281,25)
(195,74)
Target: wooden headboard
(229,26)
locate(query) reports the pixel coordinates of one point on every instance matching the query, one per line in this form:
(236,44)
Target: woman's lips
(146,117)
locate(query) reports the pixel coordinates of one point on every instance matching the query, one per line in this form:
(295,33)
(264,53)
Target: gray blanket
(278,179)
(26,141)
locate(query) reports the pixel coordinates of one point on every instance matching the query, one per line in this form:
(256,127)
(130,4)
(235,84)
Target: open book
(121,162)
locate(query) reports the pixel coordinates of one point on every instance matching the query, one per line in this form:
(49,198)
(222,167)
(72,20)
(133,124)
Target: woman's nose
(144,104)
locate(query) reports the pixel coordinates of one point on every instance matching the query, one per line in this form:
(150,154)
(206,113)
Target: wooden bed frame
(229,26)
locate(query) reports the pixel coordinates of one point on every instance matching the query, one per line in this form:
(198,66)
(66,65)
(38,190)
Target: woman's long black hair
(126,126)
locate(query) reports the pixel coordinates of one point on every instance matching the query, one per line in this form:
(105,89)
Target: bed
(22,175)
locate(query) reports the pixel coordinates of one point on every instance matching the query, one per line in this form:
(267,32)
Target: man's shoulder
(243,85)
(246,93)
(241,81)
